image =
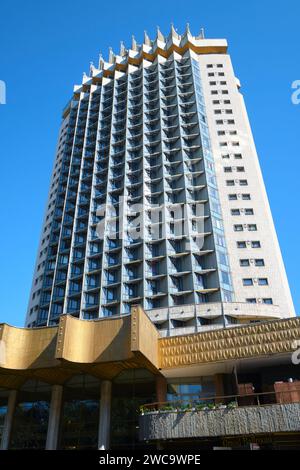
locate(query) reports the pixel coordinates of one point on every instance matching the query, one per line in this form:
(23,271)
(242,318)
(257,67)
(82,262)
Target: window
(212,83)
(214,92)
(223,144)
(230,182)
(221,132)
(217,111)
(219,66)
(56,309)
(219,121)
(243,183)
(241,244)
(222,258)
(189,390)
(221,74)
(235,212)
(248,282)
(251,301)
(255,244)
(259,262)
(249,211)
(232,197)
(73,305)
(225,277)
(263,281)
(227,169)
(238,228)
(225,156)
(223,83)
(246,197)
(244,262)
(91,299)
(252,227)
(240,169)
(211,74)
(268,301)
(238,156)
(220,240)
(209,66)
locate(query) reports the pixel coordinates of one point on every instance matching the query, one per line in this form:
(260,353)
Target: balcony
(221,416)
(132,259)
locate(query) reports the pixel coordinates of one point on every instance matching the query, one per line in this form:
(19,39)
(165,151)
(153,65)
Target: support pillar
(219,387)
(11,406)
(54,417)
(161,389)
(104,418)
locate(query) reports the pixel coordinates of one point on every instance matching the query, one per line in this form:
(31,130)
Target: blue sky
(46,46)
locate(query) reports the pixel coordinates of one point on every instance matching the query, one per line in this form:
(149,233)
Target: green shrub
(232,404)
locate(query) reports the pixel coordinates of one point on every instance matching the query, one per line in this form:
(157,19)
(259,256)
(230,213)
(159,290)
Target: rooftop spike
(101,62)
(174,33)
(201,34)
(123,50)
(147,40)
(111,56)
(160,36)
(187,30)
(92,68)
(134,45)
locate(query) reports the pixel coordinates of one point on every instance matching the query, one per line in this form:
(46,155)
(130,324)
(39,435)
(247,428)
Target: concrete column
(54,417)
(11,406)
(104,418)
(219,386)
(161,388)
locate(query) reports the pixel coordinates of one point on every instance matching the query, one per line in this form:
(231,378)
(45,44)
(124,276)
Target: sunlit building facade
(157,197)
(160,315)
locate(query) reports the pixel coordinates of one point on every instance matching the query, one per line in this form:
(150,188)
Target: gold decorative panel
(272,337)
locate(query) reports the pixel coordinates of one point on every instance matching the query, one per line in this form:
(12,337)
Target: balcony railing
(246,414)
(213,402)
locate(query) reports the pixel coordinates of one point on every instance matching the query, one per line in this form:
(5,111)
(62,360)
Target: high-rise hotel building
(157,197)
(157,252)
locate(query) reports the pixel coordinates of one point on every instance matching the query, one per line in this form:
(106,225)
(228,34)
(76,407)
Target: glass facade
(131,389)
(80,414)
(214,201)
(190,390)
(31,416)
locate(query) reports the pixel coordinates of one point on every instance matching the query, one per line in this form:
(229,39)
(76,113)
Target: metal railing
(226,401)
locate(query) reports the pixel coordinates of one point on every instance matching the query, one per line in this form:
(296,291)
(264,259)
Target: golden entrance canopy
(105,347)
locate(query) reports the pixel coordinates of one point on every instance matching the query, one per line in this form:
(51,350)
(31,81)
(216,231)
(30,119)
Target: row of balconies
(109,304)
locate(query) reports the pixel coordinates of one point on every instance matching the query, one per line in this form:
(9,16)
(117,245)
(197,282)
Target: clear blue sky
(46,46)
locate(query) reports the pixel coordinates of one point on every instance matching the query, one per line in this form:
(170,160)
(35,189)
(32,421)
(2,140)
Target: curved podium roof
(105,347)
